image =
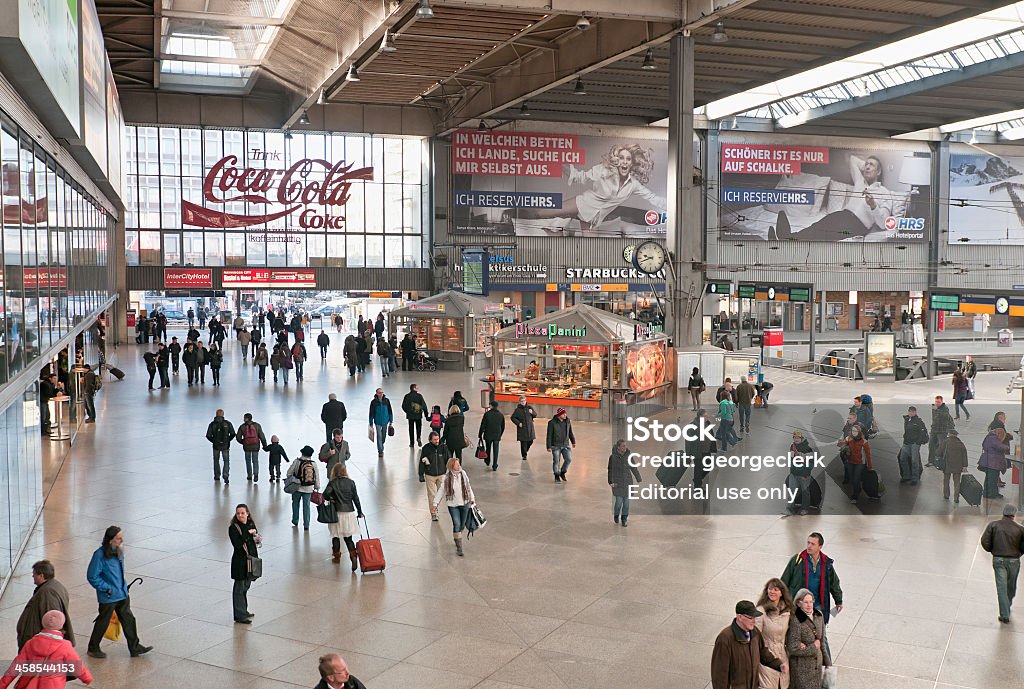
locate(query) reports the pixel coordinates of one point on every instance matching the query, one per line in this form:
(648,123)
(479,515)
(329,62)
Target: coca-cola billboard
(319,202)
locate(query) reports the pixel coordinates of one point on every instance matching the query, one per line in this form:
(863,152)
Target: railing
(828,366)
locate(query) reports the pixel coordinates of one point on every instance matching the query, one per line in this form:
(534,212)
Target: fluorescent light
(937,40)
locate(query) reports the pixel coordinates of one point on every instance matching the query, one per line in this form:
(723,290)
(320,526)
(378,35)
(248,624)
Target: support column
(810,353)
(117,331)
(685,282)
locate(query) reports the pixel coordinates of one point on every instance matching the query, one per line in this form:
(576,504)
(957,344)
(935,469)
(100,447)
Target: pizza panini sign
(319,202)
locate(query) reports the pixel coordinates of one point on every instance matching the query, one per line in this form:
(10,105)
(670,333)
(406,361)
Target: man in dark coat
(333,414)
(740,650)
(915,434)
(492,427)
(220,433)
(415,408)
(815,571)
(175,349)
(163,360)
(523,417)
(953,454)
(49,595)
(334,674)
(942,424)
(150,359)
(323,341)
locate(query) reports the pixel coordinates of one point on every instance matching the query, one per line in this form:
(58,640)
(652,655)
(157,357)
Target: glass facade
(21,476)
(384,217)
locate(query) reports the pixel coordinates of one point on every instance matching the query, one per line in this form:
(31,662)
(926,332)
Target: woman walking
(384,356)
(523,417)
(695,386)
(620,477)
(244,541)
(993,460)
(455,489)
(455,431)
(216,361)
(286,362)
(805,644)
(275,361)
(341,492)
(261,359)
(961,390)
(777,605)
(459,401)
(303,469)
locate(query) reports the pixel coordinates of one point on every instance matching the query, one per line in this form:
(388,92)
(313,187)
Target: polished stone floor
(551,594)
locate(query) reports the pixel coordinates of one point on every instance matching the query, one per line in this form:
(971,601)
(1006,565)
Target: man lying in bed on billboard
(838,210)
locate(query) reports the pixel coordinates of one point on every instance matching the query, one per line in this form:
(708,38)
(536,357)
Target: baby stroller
(425,362)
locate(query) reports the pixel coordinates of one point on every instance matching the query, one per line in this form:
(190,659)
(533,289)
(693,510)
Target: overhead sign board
(944,302)
(188,278)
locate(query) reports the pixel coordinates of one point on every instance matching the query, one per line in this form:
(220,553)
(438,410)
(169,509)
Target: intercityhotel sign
(318,202)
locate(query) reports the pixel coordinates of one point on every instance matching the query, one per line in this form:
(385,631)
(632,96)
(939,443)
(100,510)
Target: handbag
(830,677)
(253,563)
(291,484)
(465,441)
(370,434)
(481,449)
(327,513)
(317,498)
(391,430)
(475,520)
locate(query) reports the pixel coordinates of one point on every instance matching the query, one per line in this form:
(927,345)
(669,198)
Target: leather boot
(355,559)
(458,547)
(336,549)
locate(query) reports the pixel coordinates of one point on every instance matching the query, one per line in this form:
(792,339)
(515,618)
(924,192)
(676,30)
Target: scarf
(449,485)
(807,573)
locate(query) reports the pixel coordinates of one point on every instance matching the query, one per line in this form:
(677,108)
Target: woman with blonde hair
(777,605)
(341,492)
(456,490)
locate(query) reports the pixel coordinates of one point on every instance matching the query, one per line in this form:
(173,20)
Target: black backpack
(306,472)
(222,434)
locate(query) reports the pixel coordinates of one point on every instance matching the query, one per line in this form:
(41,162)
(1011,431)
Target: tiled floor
(551,595)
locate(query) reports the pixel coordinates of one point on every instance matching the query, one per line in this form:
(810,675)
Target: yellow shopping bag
(113,628)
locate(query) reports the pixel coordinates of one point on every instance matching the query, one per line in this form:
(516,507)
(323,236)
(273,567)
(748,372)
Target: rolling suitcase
(116,372)
(970,490)
(873,485)
(370,552)
(670,476)
(816,496)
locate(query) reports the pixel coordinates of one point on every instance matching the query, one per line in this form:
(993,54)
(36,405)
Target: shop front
(585,359)
(452,327)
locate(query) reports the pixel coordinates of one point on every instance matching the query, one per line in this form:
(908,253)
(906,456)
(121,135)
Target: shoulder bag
(291,484)
(327,513)
(254,564)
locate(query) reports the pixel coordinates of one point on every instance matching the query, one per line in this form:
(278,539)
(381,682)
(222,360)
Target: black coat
(433,460)
(492,425)
(333,414)
(221,440)
(455,432)
(414,398)
(914,431)
(523,418)
(621,474)
(342,493)
(243,544)
(352,683)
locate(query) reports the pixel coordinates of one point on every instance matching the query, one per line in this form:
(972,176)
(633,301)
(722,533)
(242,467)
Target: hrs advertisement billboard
(536,184)
(786,191)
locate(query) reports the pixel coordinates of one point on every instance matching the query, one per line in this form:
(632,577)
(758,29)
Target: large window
(384,218)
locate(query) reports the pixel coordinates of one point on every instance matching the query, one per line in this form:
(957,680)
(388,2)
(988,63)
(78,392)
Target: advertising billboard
(986,197)
(262,277)
(783,191)
(48,29)
(188,278)
(557,185)
(94,85)
(880,354)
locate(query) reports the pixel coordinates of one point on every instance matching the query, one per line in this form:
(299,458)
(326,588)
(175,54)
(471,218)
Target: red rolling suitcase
(370,552)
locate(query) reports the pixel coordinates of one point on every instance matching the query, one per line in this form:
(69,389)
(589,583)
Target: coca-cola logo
(294,187)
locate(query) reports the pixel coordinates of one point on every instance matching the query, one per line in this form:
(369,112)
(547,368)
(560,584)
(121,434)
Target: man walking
(48,595)
(415,408)
(202,361)
(382,418)
(163,361)
(175,349)
(745,394)
(740,651)
(559,442)
(190,315)
(150,359)
(106,575)
(333,414)
(942,424)
(1004,539)
(815,571)
(432,468)
(244,338)
(335,450)
(323,341)
(90,386)
(953,454)
(914,436)
(220,433)
(334,674)
(492,427)
(800,476)
(250,435)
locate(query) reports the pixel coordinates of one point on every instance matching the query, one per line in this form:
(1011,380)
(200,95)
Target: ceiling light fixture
(424,11)
(583,23)
(524,110)
(387,44)
(482,126)
(353,74)
(322,99)
(579,89)
(649,65)
(304,119)
(719,35)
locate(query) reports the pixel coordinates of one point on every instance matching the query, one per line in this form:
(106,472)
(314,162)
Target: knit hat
(53,619)
(307,451)
(559,411)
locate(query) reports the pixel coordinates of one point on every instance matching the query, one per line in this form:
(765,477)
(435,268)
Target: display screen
(646,366)
(799,294)
(474,272)
(722,288)
(746,292)
(944,302)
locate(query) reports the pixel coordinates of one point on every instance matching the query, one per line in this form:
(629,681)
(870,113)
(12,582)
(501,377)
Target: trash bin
(1005,338)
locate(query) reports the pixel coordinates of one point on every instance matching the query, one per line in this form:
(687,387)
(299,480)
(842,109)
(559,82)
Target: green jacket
(726,409)
(795,577)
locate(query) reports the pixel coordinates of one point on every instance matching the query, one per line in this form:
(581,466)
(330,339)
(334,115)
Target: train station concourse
(507,344)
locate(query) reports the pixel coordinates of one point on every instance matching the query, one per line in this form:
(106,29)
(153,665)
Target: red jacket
(50,646)
(860,451)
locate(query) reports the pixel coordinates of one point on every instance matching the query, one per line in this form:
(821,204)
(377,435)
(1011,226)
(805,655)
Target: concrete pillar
(685,283)
(118,331)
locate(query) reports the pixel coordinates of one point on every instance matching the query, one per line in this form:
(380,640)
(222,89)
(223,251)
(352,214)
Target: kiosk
(452,327)
(585,359)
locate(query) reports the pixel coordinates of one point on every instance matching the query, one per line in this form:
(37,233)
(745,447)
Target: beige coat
(773,626)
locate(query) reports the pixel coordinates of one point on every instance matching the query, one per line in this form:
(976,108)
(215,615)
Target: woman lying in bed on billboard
(868,206)
(625,171)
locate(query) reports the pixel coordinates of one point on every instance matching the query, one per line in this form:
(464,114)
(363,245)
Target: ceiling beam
(227,19)
(833,11)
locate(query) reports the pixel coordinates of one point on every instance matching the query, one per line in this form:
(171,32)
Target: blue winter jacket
(106,575)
